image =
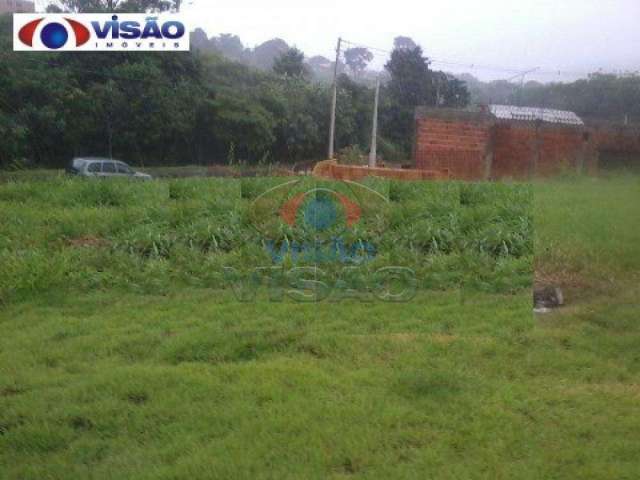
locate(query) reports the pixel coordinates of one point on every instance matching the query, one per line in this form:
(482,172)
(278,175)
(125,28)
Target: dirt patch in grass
(575,286)
(561,278)
(137,398)
(81,423)
(87,241)
(11,391)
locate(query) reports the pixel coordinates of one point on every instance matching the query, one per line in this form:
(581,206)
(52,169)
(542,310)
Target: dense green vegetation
(217,105)
(120,367)
(126,350)
(601,96)
(152,109)
(196,107)
(72,235)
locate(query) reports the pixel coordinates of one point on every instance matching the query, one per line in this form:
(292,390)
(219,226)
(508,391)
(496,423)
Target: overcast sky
(572,36)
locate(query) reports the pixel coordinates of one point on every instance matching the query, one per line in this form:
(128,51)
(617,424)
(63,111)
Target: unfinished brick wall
(476,145)
(524,149)
(615,138)
(513,151)
(333,170)
(562,148)
(457,143)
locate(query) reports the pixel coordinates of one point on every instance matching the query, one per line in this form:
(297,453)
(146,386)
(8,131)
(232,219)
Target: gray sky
(572,36)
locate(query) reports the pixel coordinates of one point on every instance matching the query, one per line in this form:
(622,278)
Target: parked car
(103,167)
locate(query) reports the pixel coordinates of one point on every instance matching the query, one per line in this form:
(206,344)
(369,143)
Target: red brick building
(501,141)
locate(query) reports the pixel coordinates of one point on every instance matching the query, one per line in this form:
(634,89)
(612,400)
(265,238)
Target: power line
(444,62)
(517,72)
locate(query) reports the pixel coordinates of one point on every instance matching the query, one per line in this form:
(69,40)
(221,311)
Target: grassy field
(588,233)
(69,236)
(124,355)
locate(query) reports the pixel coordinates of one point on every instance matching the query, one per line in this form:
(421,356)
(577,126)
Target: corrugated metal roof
(510,112)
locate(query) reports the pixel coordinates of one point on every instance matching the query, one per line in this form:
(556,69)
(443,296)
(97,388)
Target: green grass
(122,357)
(75,236)
(588,232)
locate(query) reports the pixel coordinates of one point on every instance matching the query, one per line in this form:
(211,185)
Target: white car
(103,167)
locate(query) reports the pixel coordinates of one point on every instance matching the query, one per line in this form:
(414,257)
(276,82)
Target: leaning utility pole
(374,130)
(332,127)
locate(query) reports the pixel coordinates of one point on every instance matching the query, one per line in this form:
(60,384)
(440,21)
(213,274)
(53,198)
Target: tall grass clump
(76,234)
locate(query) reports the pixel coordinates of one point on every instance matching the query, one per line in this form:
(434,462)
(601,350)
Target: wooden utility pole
(332,127)
(374,130)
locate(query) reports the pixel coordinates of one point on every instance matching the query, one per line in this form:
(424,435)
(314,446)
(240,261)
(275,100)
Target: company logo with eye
(317,221)
(54,34)
(320,209)
(311,210)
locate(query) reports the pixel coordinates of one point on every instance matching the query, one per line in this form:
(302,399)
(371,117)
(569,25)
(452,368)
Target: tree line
(198,107)
(201,107)
(600,96)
